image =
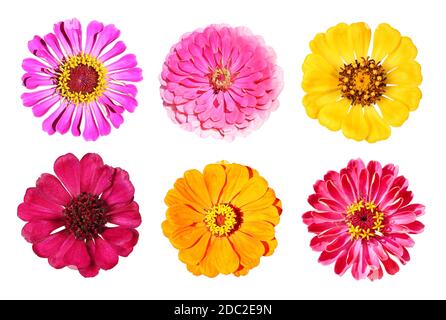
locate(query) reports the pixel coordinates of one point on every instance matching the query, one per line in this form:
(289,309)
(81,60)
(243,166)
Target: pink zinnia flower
(220,81)
(362,219)
(83,84)
(84,218)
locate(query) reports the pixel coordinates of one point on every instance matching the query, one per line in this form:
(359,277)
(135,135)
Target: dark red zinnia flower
(84,217)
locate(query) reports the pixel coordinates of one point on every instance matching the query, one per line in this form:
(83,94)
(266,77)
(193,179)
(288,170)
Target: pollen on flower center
(85,216)
(363,82)
(81,79)
(222,219)
(221,79)
(364,220)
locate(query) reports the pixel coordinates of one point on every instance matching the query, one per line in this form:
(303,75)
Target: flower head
(222,220)
(84,217)
(345,82)
(84,86)
(362,219)
(220,81)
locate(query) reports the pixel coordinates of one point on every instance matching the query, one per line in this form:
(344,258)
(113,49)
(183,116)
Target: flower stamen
(222,219)
(364,220)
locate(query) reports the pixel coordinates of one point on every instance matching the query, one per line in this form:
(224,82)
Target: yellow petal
(320,46)
(195,181)
(332,114)
(379,130)
(270,214)
(270,246)
(385,41)
(360,36)
(242,271)
(316,63)
(186,237)
(314,102)
(316,80)
(405,52)
(183,215)
(236,177)
(355,126)
(338,37)
(195,254)
(224,256)
(253,190)
(407,74)
(267,200)
(248,248)
(394,112)
(215,178)
(410,96)
(261,230)
(195,269)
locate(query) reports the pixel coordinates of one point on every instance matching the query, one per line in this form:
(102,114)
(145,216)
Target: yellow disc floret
(221,219)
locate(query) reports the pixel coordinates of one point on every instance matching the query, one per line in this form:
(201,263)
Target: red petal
(105,255)
(67,169)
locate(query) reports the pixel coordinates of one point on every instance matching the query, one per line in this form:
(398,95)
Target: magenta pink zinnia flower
(83,84)
(362,219)
(220,81)
(83,218)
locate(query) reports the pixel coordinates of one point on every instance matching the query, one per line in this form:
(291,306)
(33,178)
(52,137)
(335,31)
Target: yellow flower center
(364,220)
(81,79)
(222,219)
(362,82)
(221,79)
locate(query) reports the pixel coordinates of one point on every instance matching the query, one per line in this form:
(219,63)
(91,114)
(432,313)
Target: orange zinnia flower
(222,220)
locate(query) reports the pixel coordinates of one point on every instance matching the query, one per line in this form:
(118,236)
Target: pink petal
(91,270)
(31,98)
(37,46)
(35,80)
(109,34)
(50,123)
(31,65)
(67,169)
(91,132)
(64,123)
(122,239)
(95,176)
(35,231)
(37,206)
(117,49)
(52,189)
(105,255)
(53,43)
(77,255)
(127,101)
(126,62)
(121,190)
(42,107)
(125,216)
(103,125)
(93,30)
(134,75)
(51,245)
(76,125)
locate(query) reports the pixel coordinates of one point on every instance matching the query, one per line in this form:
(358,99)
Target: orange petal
(195,269)
(253,190)
(215,179)
(261,230)
(270,214)
(267,200)
(224,256)
(168,228)
(183,215)
(270,246)
(183,191)
(195,254)
(242,271)
(195,181)
(249,249)
(207,265)
(236,177)
(187,237)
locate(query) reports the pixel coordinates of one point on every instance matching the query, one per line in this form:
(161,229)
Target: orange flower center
(362,82)
(222,219)
(364,220)
(221,79)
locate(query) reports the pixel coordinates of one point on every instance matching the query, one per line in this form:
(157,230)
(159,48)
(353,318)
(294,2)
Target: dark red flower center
(85,216)
(83,79)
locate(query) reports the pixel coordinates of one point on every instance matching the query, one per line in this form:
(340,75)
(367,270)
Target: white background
(291,151)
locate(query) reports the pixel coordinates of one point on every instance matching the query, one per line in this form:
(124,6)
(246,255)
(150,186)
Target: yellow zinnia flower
(344,82)
(222,220)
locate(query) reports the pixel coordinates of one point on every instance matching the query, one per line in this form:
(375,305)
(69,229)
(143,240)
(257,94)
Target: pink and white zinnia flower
(362,219)
(84,217)
(221,81)
(83,84)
